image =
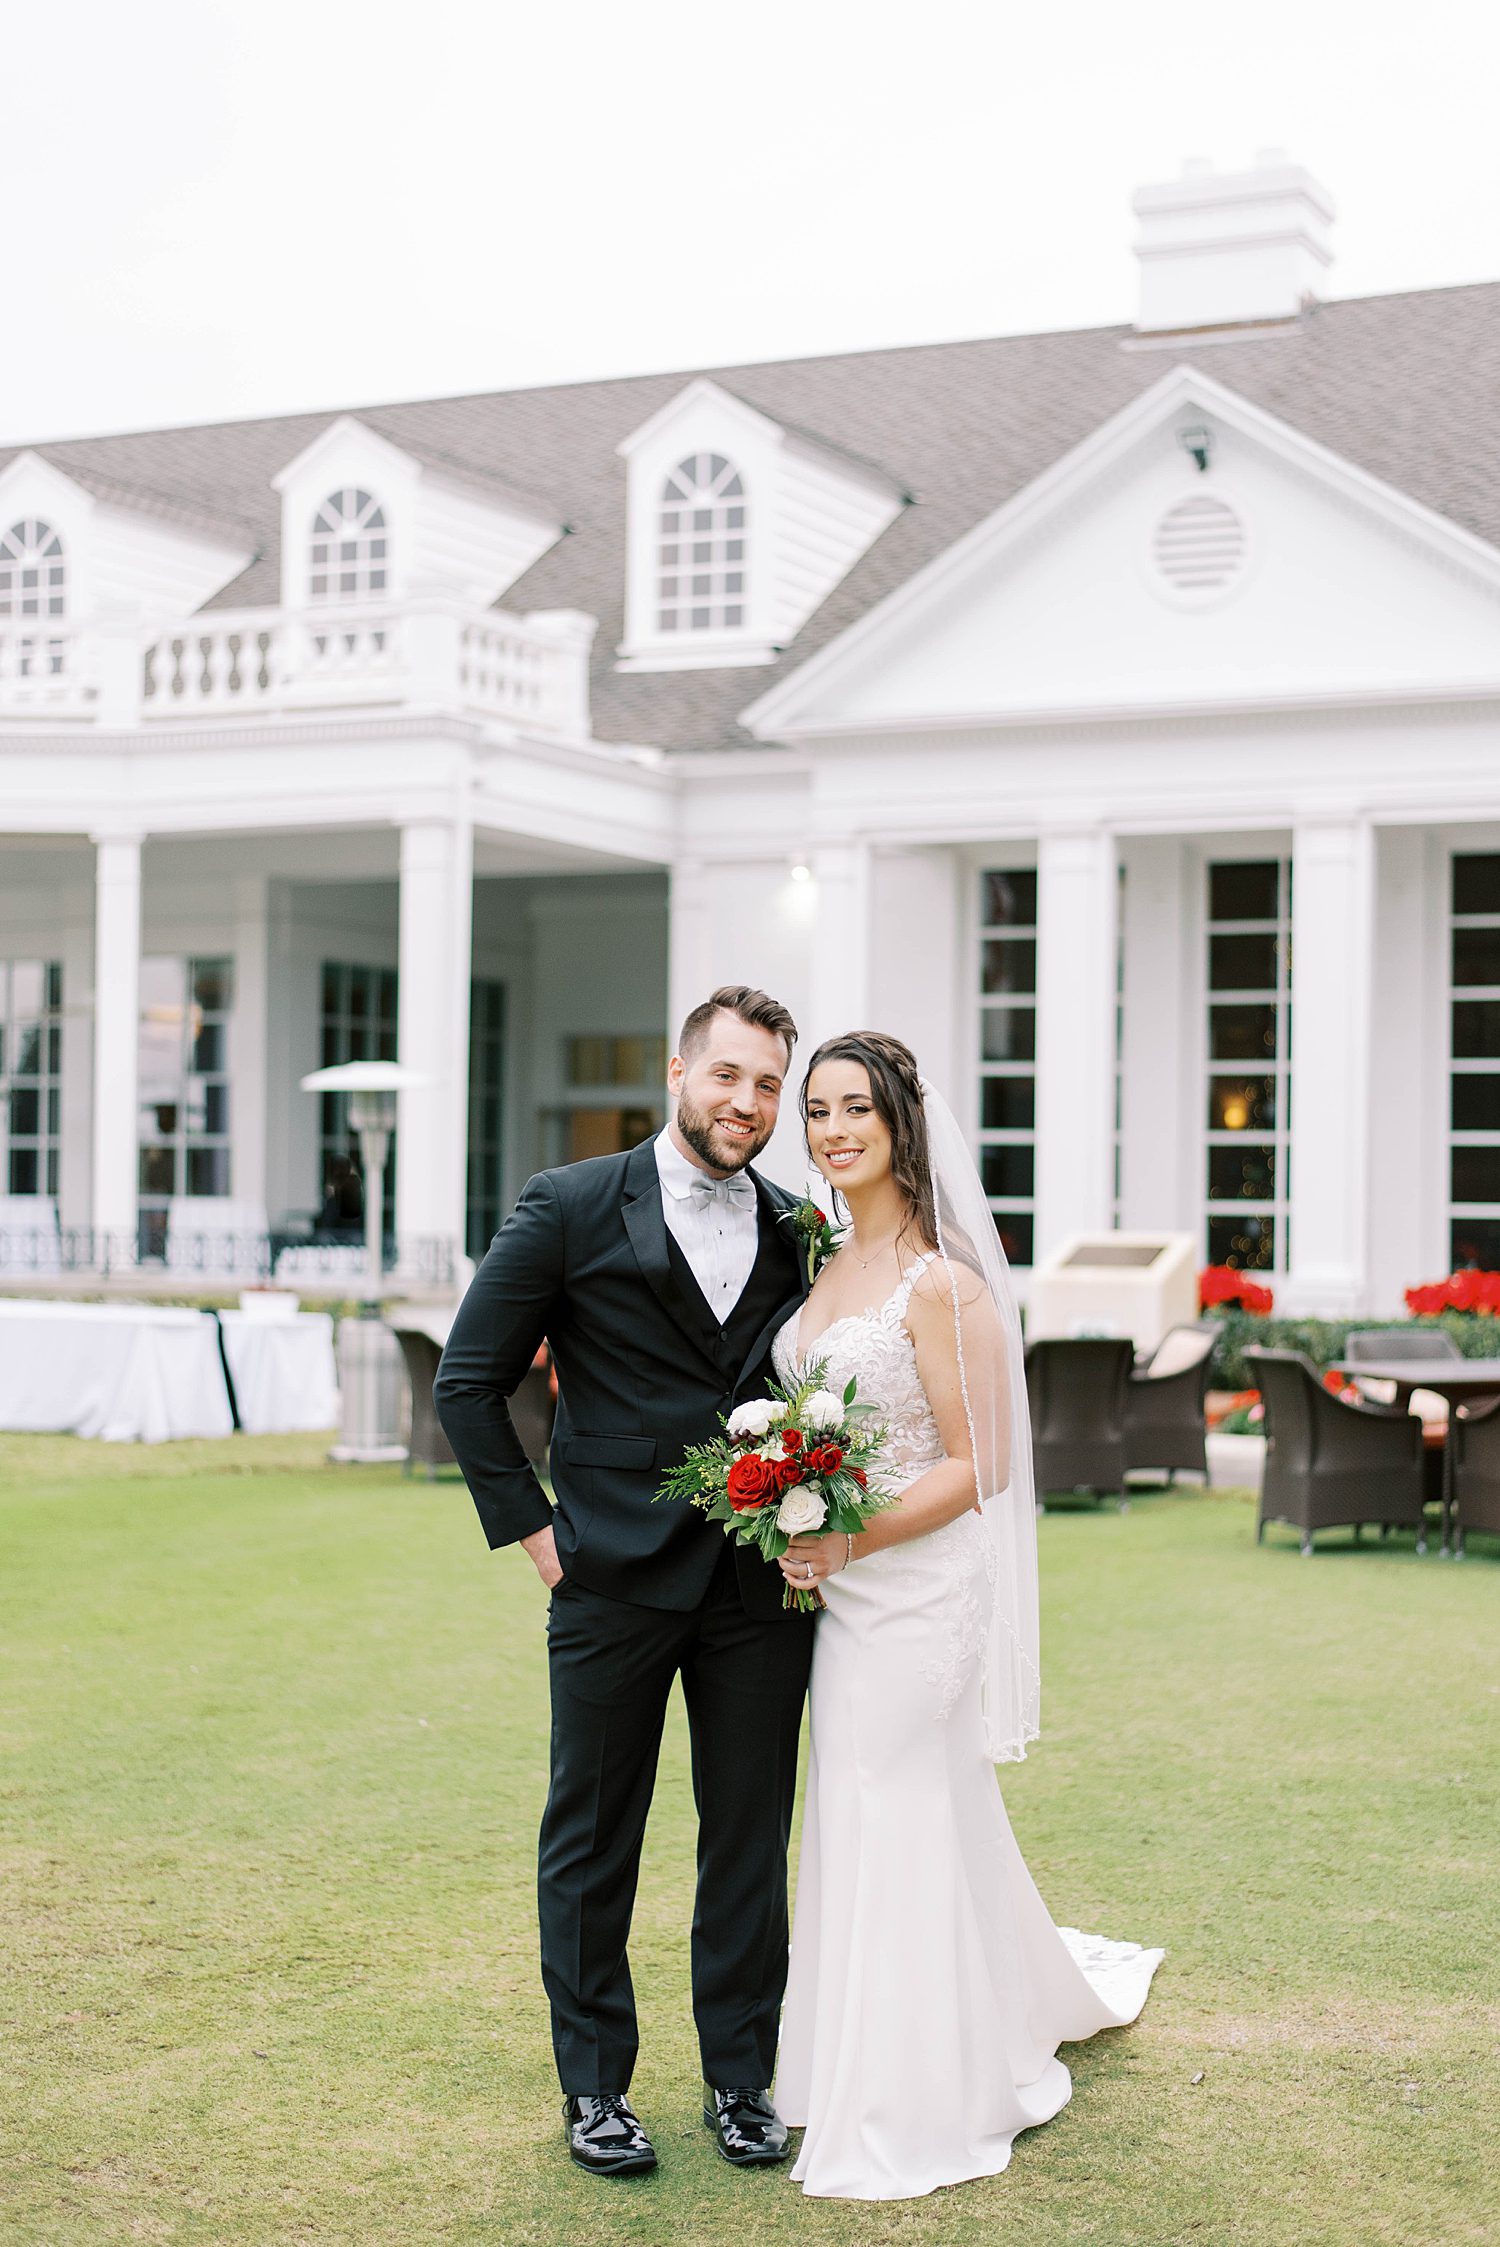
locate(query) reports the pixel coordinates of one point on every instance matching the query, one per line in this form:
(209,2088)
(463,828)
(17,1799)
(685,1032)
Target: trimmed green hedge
(1476,1334)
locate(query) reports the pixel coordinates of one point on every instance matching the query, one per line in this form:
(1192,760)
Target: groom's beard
(710,1146)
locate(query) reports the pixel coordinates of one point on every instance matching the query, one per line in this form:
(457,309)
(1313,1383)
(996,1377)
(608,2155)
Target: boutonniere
(815,1235)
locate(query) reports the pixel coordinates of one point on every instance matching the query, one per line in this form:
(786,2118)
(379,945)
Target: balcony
(426,653)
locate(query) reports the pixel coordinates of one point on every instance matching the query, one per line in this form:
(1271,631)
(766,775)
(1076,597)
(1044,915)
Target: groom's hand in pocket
(542,1546)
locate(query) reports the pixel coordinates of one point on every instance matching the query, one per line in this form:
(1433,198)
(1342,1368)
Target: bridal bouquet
(790,1464)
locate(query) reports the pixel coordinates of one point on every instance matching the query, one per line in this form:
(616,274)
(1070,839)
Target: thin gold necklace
(864,1262)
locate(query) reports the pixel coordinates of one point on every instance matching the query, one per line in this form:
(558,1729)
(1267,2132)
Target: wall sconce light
(801,871)
(1197,441)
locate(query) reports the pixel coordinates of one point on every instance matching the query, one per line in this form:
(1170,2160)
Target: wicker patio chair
(427,1446)
(1475,1437)
(1077,1392)
(1164,1422)
(1330,1464)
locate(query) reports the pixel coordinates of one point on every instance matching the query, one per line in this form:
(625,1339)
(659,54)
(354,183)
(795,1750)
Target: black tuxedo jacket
(644,1370)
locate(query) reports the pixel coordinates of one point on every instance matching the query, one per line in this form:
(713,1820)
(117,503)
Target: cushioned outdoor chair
(1164,1422)
(1331,1464)
(1077,1392)
(1476,1470)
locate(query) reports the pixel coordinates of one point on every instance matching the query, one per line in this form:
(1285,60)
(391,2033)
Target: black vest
(770,1285)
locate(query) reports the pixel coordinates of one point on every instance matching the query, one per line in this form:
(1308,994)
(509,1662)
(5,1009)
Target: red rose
(861,1478)
(831,1458)
(752,1483)
(822,1220)
(787,1472)
(791,1439)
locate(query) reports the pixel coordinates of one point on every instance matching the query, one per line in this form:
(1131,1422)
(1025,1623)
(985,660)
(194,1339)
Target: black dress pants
(744,1681)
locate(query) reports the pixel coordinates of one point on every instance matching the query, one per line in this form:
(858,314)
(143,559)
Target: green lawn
(273,1757)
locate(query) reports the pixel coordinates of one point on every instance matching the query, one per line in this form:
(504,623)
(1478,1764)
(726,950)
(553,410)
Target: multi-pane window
(486,1113)
(1474,1080)
(1007,1054)
(700,581)
(34,593)
(185,1059)
(1247,1140)
(30,1075)
(349,547)
(358,1024)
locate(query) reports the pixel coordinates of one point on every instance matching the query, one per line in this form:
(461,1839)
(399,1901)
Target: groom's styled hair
(757,1008)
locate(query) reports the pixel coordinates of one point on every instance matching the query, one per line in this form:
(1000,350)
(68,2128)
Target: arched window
(700,584)
(33,574)
(348,548)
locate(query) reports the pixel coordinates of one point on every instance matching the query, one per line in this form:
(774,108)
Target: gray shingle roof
(1408,387)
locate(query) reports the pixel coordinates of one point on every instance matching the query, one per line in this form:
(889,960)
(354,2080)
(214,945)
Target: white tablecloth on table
(129,1372)
(283,1371)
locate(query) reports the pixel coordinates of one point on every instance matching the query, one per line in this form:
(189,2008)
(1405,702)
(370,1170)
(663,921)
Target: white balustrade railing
(432,653)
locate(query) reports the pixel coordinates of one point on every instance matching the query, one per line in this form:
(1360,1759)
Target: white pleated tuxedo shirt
(714,1222)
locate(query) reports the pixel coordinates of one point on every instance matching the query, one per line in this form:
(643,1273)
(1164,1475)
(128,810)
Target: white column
(1077,906)
(1333,903)
(437,878)
(117,981)
(1161,1119)
(690,947)
(839,979)
(248,1104)
(919,986)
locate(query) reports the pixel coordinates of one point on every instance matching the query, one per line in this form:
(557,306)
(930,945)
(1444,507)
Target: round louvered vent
(1199,546)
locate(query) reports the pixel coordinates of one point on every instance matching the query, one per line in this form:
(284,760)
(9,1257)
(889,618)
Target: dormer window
(700,583)
(349,545)
(33,573)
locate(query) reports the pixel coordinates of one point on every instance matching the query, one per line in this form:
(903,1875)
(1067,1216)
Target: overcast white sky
(217,208)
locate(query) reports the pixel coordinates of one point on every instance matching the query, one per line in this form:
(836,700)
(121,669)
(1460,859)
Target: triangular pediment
(1132,577)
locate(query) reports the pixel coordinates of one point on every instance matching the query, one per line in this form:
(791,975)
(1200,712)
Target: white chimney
(1222,249)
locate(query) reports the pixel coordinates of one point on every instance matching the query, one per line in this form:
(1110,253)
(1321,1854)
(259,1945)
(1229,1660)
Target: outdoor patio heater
(370,1373)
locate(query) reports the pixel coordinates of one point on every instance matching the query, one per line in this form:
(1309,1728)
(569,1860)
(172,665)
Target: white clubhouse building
(1113,714)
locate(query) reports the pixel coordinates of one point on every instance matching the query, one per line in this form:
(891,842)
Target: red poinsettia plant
(1221,1287)
(1460,1291)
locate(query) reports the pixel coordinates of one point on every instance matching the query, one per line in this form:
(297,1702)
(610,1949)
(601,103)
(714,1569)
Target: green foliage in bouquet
(800,1461)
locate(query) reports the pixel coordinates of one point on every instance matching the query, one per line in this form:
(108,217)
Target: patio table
(1460,1382)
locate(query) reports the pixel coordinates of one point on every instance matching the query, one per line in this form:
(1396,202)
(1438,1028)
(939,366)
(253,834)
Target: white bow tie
(739,1189)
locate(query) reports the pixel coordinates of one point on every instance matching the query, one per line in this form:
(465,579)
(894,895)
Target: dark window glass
(1009,1033)
(208,1170)
(1476,1029)
(23,1170)
(216,1110)
(54,984)
(1476,955)
(1247,1243)
(1474,1244)
(158,1170)
(1242,963)
(1008,1104)
(359,993)
(330,1044)
(26,1050)
(208,1050)
(1010,1171)
(1241,1033)
(1009,900)
(211,985)
(1247,892)
(1242,1173)
(387,994)
(25,1114)
(1476,1174)
(1476,882)
(1242,1104)
(1476,1103)
(1010,964)
(1016,1228)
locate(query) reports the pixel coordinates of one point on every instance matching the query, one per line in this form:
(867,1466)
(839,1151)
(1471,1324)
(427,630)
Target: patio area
(278,1753)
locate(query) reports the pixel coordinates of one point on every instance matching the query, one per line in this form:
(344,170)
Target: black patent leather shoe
(604,2135)
(747,2129)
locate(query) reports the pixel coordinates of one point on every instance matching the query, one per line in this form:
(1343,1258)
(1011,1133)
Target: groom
(660,1278)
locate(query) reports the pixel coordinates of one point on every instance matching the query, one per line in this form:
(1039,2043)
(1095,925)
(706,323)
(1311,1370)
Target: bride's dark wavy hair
(896,1095)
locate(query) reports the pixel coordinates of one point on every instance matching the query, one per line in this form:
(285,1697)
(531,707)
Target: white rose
(822,1410)
(800,1510)
(777,1411)
(753,1419)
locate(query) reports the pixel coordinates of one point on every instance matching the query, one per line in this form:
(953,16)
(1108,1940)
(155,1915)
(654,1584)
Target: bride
(929,1988)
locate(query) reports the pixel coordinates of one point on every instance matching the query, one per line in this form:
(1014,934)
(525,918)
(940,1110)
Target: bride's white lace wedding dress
(929,1988)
